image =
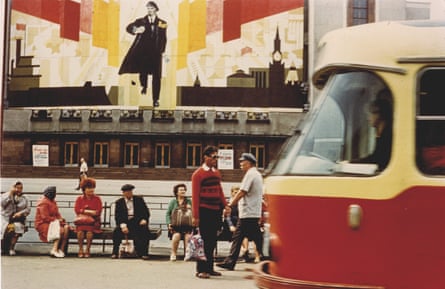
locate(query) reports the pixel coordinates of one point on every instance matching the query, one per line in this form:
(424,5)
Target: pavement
(33,268)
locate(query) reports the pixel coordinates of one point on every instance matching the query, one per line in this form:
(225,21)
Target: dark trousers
(209,224)
(139,234)
(155,83)
(248,227)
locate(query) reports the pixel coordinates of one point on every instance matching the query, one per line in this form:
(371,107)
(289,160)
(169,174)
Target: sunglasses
(215,157)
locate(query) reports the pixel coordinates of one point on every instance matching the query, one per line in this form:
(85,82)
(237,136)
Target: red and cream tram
(356,198)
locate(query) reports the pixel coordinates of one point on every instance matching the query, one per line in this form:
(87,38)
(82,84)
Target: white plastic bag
(54,231)
(195,248)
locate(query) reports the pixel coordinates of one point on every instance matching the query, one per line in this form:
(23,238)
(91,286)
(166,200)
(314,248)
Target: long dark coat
(145,53)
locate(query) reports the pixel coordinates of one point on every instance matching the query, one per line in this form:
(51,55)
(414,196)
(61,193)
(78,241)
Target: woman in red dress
(46,212)
(88,204)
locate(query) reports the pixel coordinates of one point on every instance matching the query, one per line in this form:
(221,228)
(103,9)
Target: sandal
(80,255)
(203,275)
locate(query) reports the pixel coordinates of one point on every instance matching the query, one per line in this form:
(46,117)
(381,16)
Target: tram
(356,198)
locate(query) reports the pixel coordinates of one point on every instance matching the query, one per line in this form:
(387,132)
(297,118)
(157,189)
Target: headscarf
(50,192)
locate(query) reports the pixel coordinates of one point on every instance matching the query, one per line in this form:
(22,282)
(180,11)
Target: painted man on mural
(145,54)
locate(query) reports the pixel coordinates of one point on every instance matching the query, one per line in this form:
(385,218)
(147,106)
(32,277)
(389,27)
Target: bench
(106,235)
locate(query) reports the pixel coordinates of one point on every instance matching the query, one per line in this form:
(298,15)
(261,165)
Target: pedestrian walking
(249,199)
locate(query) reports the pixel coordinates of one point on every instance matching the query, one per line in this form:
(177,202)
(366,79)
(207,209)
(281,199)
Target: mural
(211,52)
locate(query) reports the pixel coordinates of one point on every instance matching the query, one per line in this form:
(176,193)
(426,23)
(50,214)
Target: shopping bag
(126,249)
(54,231)
(195,248)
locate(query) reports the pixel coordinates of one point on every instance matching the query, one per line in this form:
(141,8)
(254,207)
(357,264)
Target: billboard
(109,52)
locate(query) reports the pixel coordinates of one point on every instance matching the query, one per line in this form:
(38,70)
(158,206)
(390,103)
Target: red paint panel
(214,15)
(70,20)
(231,20)
(33,8)
(237,12)
(86,15)
(51,10)
(399,245)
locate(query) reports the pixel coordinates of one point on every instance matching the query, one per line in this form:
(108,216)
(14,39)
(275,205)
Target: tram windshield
(348,132)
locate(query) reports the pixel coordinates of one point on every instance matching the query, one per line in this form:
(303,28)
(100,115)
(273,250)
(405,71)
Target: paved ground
(32,268)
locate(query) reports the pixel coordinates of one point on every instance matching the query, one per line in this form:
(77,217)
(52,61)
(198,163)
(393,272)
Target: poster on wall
(156,53)
(40,155)
(225,161)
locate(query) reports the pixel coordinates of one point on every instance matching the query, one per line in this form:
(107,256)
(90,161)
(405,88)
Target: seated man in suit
(132,216)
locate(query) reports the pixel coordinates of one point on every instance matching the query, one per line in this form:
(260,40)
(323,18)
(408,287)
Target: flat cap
(248,157)
(127,187)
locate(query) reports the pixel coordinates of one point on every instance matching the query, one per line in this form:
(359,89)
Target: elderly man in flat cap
(145,54)
(132,216)
(249,199)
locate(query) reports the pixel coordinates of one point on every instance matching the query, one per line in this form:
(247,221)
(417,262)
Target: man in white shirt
(249,199)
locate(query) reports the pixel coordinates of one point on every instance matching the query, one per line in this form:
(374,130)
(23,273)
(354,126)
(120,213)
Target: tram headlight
(355,215)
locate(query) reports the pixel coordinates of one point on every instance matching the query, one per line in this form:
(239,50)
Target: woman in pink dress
(91,205)
(46,212)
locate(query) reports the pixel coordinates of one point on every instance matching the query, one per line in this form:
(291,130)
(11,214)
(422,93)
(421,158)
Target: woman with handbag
(179,218)
(88,208)
(47,212)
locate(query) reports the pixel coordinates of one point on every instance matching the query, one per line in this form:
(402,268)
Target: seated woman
(46,212)
(176,233)
(87,205)
(14,210)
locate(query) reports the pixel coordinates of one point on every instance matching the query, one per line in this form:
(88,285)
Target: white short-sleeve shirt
(250,205)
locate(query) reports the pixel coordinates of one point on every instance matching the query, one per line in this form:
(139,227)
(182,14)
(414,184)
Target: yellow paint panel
(198,19)
(100,24)
(183,33)
(113,33)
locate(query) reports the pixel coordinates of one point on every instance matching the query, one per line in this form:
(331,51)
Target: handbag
(54,231)
(195,248)
(82,219)
(181,218)
(126,249)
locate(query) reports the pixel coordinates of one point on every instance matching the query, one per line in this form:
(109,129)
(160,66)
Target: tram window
(430,122)
(338,138)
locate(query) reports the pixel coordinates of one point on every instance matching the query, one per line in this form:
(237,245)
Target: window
(101,154)
(131,155)
(430,122)
(193,154)
(225,146)
(162,155)
(259,151)
(360,12)
(343,130)
(71,154)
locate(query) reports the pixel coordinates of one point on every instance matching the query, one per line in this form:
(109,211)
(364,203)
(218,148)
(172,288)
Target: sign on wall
(225,161)
(40,155)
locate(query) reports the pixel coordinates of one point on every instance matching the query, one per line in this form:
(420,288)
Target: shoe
(156,104)
(246,256)
(203,275)
(144,90)
(114,256)
(214,273)
(80,255)
(87,255)
(226,266)
(257,260)
(12,253)
(145,258)
(57,254)
(172,257)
